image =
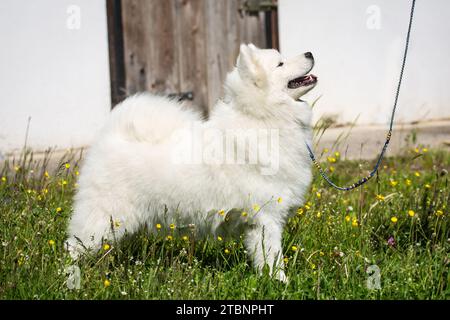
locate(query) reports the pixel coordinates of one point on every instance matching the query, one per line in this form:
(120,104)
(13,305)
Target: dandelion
(286,260)
(172,226)
(393,183)
(185,238)
(16,168)
(380,197)
(319,214)
(106,283)
(294,248)
(325,150)
(331,159)
(337,154)
(3,179)
(227,251)
(300,211)
(45,191)
(67,165)
(417,174)
(321,253)
(408,182)
(280,200)
(427,186)
(424,150)
(307,206)
(58,210)
(331,168)
(394,219)
(439,213)
(355,222)
(169,237)
(221,212)
(46,175)
(318,195)
(313,266)
(256,208)
(347,218)
(63,182)
(106,247)
(77,173)
(244,213)
(219,238)
(158,226)
(416,150)
(51,242)
(411,213)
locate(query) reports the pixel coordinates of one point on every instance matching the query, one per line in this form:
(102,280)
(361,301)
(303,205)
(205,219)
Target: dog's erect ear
(249,67)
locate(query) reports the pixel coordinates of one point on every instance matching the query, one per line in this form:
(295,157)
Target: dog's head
(268,70)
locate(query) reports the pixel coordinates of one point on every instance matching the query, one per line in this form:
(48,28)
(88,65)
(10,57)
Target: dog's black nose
(309,55)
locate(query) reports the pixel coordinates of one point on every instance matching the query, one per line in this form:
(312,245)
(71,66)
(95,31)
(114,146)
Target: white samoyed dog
(159,164)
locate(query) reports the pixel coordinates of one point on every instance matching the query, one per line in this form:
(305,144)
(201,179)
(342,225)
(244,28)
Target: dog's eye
(280,64)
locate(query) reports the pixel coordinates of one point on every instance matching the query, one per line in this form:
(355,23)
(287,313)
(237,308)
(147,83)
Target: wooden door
(179,46)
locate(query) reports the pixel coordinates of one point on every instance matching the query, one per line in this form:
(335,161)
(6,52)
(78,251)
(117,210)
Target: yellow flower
(416,150)
(408,182)
(219,238)
(319,214)
(221,212)
(427,186)
(355,222)
(244,213)
(67,165)
(331,159)
(58,210)
(325,150)
(331,168)
(380,197)
(393,183)
(45,191)
(424,150)
(286,259)
(51,242)
(185,238)
(307,206)
(394,219)
(172,226)
(106,247)
(106,283)
(46,174)
(417,174)
(227,251)
(321,253)
(313,266)
(347,218)
(294,248)
(411,213)
(117,223)
(169,237)
(3,179)
(299,211)
(63,182)
(280,200)
(77,173)
(318,195)
(439,213)
(337,154)
(158,226)
(256,208)
(16,168)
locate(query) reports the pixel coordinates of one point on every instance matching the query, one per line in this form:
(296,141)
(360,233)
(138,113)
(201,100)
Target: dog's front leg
(263,243)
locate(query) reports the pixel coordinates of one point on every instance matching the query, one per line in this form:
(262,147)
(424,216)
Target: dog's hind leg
(263,243)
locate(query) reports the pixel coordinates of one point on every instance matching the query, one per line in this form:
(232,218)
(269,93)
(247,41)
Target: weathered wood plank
(190,31)
(151,58)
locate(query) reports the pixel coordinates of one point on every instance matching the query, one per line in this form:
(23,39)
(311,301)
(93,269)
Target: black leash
(389,134)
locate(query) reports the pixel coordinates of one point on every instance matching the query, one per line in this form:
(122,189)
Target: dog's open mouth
(302,81)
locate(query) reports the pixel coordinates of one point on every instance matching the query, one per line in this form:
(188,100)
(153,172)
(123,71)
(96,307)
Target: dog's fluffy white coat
(129,178)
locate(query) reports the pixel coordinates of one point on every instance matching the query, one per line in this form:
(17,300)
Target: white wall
(54,74)
(358,66)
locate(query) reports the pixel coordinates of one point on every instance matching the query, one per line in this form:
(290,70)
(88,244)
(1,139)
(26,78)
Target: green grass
(337,236)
